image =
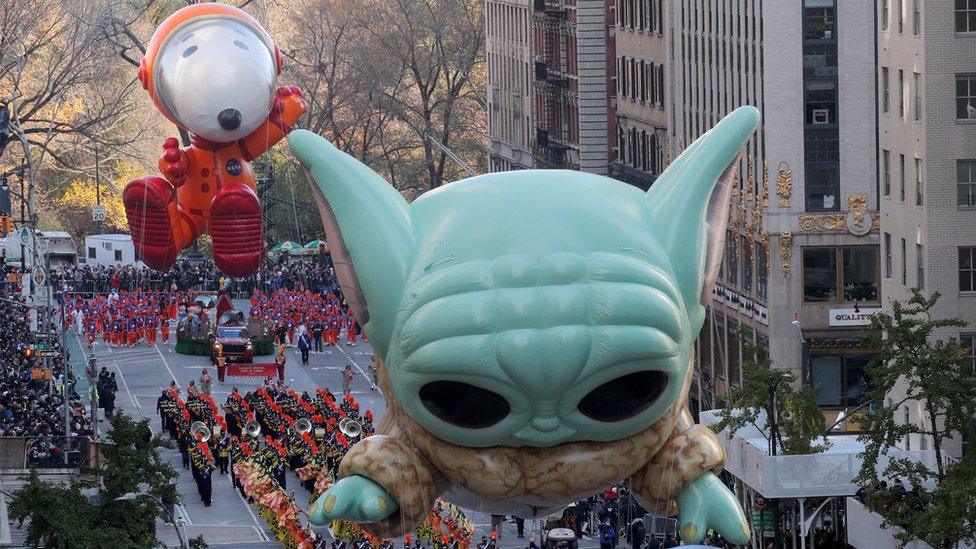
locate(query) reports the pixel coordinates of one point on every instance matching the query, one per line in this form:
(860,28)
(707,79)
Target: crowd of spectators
(311,272)
(893,500)
(32,392)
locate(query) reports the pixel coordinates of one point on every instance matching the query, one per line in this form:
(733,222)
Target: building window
(916,17)
(887,252)
(918,96)
(966,96)
(660,86)
(841,378)
(904,262)
(733,353)
(965,15)
(621,143)
(967,269)
(762,272)
(746,264)
(118,255)
(820,274)
(886,171)
(919,186)
(901,93)
(91,252)
(966,183)
(919,267)
(705,345)
(821,136)
(858,275)
(901,177)
(732,259)
(901,16)
(885,91)
(884,14)
(968,341)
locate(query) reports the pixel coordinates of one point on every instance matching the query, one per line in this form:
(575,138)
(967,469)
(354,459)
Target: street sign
(24,235)
(49,353)
(98,212)
(45,335)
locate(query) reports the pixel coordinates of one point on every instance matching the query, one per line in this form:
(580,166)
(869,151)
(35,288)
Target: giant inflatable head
(531,307)
(229,61)
(532,321)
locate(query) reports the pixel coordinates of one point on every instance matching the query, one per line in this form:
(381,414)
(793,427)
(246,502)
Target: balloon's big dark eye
(624,397)
(189,51)
(464,405)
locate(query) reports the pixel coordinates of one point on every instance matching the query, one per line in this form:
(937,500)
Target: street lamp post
(132,496)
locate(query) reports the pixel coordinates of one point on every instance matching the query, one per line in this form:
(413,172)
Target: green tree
(62,516)
(917,365)
(800,423)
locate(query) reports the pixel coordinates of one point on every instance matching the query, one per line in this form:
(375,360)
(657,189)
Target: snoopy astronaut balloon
(536,332)
(210,69)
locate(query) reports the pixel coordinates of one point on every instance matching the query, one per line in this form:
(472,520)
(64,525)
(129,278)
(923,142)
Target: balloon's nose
(229,119)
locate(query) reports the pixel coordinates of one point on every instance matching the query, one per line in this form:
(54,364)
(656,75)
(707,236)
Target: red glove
(174,164)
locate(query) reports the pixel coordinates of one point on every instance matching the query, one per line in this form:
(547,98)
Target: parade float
(200,321)
(534,333)
(211,69)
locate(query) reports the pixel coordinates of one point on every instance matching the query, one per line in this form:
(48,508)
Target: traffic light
(6,225)
(28,351)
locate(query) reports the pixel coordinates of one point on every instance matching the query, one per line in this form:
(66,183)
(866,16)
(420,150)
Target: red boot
(235,225)
(151,211)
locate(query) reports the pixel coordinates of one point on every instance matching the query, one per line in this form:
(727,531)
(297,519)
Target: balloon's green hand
(354,498)
(706,504)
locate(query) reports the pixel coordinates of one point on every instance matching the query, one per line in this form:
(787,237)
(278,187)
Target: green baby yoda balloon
(535,333)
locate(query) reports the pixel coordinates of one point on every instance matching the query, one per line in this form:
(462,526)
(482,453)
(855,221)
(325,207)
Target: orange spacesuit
(210,69)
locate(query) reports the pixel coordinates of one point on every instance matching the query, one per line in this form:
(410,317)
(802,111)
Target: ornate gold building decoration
(667,149)
(784,186)
(827,222)
(764,200)
(786,251)
(858,220)
(750,181)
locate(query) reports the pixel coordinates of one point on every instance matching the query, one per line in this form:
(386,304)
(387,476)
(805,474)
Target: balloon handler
(535,331)
(211,70)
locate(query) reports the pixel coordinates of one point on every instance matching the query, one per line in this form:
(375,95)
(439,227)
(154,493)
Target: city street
(143,371)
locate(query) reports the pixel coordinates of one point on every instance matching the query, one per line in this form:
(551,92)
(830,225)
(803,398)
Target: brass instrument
(200,431)
(350,427)
(303,426)
(252,428)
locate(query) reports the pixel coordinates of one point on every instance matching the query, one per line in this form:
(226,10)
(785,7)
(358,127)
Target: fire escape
(551,86)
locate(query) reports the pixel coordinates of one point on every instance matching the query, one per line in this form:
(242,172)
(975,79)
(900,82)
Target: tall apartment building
(927,162)
(550,69)
(509,51)
(640,44)
(801,268)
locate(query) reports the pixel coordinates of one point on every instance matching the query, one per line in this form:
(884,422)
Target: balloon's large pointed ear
(690,203)
(368,224)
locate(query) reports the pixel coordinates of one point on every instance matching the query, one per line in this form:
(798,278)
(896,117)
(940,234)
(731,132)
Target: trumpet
(200,431)
(252,428)
(303,426)
(350,427)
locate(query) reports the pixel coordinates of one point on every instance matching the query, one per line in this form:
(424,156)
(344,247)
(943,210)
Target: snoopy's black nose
(229,119)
